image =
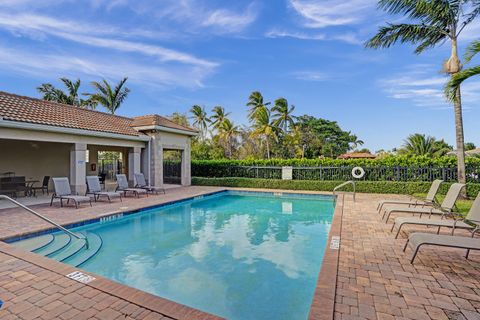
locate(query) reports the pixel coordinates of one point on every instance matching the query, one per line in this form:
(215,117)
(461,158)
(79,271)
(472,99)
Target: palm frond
(472,50)
(457,79)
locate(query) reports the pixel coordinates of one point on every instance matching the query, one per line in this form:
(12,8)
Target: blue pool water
(236,255)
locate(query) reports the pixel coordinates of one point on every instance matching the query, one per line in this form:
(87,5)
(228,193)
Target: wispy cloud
(310,75)
(52,65)
(423,86)
(321,14)
(350,38)
(229,21)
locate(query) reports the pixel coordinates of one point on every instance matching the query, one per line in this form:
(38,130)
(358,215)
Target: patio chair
(122,185)
(470,221)
(63,192)
(430,199)
(445,208)
(43,187)
(94,187)
(141,183)
(416,240)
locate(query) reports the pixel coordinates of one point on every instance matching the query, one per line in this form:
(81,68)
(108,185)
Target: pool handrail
(18,204)
(352,182)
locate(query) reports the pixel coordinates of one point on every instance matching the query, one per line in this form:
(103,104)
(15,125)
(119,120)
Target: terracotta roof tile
(25,109)
(156,120)
(357,155)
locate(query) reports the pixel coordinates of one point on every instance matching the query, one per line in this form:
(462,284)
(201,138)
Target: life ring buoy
(358,172)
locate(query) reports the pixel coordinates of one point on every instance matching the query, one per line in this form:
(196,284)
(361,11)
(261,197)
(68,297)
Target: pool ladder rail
(67,246)
(345,184)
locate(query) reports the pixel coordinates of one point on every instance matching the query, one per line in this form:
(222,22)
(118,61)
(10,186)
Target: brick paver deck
(376,280)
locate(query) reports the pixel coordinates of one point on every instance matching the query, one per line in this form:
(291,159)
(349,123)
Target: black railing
(372,173)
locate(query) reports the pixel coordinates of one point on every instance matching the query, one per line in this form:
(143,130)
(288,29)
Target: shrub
(361,186)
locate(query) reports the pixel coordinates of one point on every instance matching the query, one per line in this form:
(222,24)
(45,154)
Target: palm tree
(433,23)
(219,116)
(421,145)
(457,79)
(108,97)
(255,102)
(282,117)
(263,127)
(355,141)
(200,119)
(71,97)
(228,132)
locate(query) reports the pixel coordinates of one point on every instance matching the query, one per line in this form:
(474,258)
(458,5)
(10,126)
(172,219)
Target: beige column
(78,155)
(133,164)
(186,166)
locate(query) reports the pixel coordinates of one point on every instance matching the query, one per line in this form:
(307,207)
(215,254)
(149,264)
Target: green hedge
(385,161)
(362,186)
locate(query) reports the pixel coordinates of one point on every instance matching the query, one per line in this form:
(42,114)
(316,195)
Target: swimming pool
(239,255)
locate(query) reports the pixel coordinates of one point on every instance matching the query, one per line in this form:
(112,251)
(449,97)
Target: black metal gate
(172,172)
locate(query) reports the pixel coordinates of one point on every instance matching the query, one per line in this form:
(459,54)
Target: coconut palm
(282,116)
(110,98)
(200,120)
(228,133)
(263,127)
(355,142)
(452,86)
(432,23)
(71,96)
(255,102)
(219,116)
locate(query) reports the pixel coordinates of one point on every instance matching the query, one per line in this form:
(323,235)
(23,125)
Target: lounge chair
(416,240)
(445,208)
(63,192)
(93,185)
(43,187)
(123,187)
(430,199)
(471,221)
(141,183)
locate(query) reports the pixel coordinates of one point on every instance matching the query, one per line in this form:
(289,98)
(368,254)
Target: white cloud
(229,21)
(310,75)
(42,64)
(345,37)
(423,86)
(325,13)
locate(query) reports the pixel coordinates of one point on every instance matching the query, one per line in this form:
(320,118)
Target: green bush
(361,186)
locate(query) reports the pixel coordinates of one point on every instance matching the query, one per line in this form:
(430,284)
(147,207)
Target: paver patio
(375,278)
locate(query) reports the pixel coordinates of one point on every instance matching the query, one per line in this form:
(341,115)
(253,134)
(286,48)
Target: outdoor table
(29,185)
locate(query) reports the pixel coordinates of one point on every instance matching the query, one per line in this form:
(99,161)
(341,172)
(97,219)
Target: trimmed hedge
(362,186)
(420,161)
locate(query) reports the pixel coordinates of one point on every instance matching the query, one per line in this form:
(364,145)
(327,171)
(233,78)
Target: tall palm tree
(108,97)
(282,116)
(71,96)
(355,142)
(457,79)
(228,133)
(200,119)
(432,23)
(255,102)
(219,116)
(263,127)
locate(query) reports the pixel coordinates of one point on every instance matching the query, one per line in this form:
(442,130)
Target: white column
(186,166)
(78,156)
(133,164)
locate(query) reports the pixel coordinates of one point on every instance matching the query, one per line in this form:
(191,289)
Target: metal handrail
(343,185)
(45,218)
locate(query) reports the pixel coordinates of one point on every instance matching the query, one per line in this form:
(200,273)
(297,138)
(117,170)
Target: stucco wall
(35,159)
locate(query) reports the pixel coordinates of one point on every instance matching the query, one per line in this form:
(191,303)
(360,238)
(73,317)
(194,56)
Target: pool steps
(62,247)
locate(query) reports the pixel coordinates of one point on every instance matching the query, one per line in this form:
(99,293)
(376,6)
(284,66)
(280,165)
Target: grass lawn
(462,205)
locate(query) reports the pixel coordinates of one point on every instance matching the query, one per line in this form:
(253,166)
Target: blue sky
(177,53)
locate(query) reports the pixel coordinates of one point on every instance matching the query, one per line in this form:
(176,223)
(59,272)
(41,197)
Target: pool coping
(322,306)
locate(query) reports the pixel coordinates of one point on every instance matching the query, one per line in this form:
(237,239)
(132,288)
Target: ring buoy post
(358,172)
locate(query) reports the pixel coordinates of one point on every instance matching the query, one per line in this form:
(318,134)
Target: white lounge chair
(123,187)
(445,208)
(430,199)
(416,240)
(63,192)
(471,221)
(93,185)
(141,183)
